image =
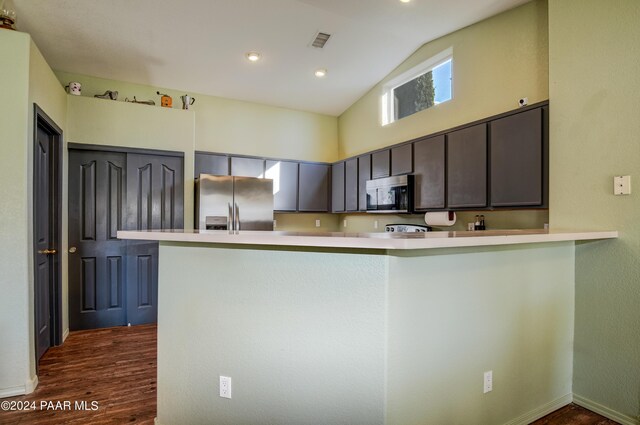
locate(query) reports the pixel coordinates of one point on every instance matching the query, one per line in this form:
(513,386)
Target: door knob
(47,251)
(72,250)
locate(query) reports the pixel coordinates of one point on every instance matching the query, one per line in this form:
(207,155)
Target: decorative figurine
(7,16)
(74,88)
(187,101)
(113,95)
(144,102)
(165,101)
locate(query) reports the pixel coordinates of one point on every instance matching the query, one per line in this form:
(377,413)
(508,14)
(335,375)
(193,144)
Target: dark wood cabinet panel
(364,174)
(401,160)
(337,187)
(429,180)
(380,164)
(285,184)
(206,163)
(516,160)
(467,167)
(313,187)
(351,185)
(247,167)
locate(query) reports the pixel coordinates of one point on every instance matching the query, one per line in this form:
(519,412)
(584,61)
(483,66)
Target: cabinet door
(337,187)
(285,184)
(429,180)
(467,167)
(380,163)
(351,185)
(247,167)
(206,163)
(516,159)
(364,174)
(313,187)
(401,160)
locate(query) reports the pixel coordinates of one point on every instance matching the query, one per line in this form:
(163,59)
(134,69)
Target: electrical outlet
(225,387)
(275,223)
(375,224)
(471,227)
(622,185)
(344,222)
(317,223)
(488,381)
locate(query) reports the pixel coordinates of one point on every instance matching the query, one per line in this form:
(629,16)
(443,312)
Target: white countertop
(370,240)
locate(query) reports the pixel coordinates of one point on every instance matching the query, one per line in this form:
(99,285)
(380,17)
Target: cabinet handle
(230,218)
(237,225)
(48,251)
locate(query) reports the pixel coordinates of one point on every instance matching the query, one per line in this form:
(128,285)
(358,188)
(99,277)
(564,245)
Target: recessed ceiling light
(321,73)
(405,1)
(253,56)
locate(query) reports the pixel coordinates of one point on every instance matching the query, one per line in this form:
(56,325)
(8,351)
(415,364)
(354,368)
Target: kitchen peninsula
(343,328)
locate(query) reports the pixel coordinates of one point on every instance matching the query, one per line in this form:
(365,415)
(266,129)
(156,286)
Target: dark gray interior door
(96,257)
(155,200)
(43,256)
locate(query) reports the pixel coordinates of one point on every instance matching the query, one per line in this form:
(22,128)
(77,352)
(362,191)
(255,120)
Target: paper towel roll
(440,218)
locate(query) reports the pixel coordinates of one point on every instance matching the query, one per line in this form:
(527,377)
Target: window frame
(387,100)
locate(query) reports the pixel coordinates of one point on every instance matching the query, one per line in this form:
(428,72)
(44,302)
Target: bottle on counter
(482,227)
(476,224)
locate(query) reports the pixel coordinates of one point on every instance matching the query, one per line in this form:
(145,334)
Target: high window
(421,87)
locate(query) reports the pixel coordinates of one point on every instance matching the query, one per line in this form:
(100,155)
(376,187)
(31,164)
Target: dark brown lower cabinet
(114,282)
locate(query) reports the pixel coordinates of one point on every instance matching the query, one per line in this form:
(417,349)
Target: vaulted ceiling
(200,45)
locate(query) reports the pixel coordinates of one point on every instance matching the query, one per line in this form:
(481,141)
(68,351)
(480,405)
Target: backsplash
(365,223)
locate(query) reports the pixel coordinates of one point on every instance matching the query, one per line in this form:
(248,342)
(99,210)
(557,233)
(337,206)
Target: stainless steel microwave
(390,195)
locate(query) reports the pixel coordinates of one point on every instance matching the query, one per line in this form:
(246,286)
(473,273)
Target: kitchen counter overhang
(381,241)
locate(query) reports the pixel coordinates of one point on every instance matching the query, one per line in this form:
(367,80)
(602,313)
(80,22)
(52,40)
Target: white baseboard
(27,388)
(31,385)
(605,411)
(65,334)
(542,411)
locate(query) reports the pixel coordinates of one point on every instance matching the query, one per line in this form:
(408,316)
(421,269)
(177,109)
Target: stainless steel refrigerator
(233,203)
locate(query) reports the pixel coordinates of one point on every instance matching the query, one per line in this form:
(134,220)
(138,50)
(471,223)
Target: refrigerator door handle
(229,218)
(237,224)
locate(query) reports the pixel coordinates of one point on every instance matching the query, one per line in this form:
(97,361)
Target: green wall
(15,311)
(319,337)
(495,62)
(234,126)
(26,79)
(594,51)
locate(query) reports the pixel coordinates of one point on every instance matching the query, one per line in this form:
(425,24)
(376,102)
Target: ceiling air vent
(320,40)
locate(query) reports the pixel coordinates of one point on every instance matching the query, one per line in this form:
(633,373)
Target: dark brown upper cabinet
(313,187)
(247,167)
(429,180)
(337,187)
(401,160)
(516,160)
(351,185)
(380,164)
(207,163)
(467,167)
(364,174)
(285,184)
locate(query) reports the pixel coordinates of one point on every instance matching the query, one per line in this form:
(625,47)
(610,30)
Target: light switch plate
(622,185)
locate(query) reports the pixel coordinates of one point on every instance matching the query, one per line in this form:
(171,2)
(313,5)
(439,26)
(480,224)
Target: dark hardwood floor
(116,367)
(573,414)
